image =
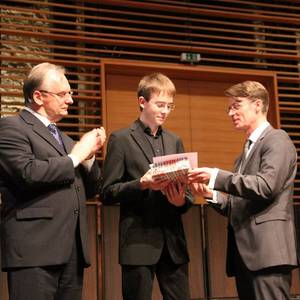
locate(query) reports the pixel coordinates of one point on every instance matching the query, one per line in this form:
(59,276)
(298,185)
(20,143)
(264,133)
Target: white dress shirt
(87,163)
(254,136)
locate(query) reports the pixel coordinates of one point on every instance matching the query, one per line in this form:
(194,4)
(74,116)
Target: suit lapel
(255,146)
(40,129)
(68,142)
(138,136)
(168,143)
(237,163)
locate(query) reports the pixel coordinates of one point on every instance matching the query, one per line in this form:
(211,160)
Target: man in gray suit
(261,233)
(45,178)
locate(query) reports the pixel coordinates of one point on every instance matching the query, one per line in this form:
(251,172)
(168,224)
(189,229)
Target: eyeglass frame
(161,105)
(236,106)
(60,94)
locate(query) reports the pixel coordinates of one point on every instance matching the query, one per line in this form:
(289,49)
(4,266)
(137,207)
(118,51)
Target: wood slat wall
(77,34)
(256,35)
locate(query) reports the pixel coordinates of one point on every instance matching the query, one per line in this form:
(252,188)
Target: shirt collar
(254,136)
(147,129)
(43,119)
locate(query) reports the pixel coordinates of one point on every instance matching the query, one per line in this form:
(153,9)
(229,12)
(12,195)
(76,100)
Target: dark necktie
(231,197)
(55,132)
(246,149)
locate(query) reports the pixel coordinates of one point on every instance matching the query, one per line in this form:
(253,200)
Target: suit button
(76,211)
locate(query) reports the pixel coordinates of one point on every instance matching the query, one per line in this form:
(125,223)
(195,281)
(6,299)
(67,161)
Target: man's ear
(37,98)
(141,102)
(258,105)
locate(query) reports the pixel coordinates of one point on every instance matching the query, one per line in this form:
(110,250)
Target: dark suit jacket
(261,204)
(147,219)
(43,195)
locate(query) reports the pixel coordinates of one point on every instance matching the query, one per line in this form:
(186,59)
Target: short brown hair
(155,83)
(252,90)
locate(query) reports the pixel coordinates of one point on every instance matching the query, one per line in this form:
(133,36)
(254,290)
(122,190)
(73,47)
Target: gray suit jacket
(43,196)
(261,206)
(147,219)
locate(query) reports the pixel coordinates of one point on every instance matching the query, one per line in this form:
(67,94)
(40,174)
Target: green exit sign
(190,57)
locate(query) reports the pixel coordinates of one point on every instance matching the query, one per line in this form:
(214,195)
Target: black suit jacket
(147,219)
(43,196)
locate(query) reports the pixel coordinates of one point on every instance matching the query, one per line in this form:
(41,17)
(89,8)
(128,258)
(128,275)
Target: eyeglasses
(162,105)
(236,106)
(60,94)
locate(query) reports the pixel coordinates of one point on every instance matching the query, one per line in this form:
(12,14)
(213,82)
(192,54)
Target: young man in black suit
(45,179)
(151,236)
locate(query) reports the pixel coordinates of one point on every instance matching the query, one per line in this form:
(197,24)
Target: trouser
(137,281)
(267,284)
(61,282)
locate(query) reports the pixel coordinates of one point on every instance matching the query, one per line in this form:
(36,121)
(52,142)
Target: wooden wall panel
(122,108)
(193,226)
(92,275)
(3,286)
(111,268)
(219,285)
(295,289)
(213,135)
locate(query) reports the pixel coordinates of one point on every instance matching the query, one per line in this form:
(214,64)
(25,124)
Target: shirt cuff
(214,198)
(212,180)
(75,160)
(88,163)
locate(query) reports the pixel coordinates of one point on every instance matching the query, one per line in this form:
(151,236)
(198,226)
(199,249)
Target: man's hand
(89,144)
(201,189)
(175,193)
(153,182)
(199,175)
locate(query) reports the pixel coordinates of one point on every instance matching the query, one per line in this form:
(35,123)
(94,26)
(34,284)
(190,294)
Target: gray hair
(36,77)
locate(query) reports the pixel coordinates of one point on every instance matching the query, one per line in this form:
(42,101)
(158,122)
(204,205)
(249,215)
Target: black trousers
(137,281)
(61,282)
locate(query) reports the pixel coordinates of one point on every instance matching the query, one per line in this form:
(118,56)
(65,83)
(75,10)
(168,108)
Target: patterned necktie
(55,132)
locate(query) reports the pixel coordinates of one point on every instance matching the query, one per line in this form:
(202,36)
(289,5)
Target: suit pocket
(34,213)
(275,216)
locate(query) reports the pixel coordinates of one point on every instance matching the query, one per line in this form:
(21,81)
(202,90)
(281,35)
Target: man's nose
(165,109)
(69,99)
(231,112)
